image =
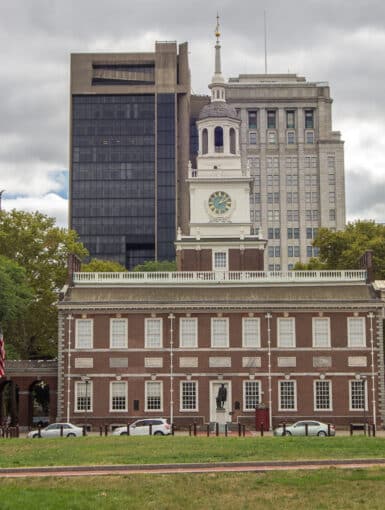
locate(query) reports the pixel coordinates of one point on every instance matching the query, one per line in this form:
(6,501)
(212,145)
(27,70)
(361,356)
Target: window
(205,143)
(251,395)
(118,333)
(84,333)
(218,139)
(292,180)
(232,141)
(293,251)
(154,392)
(252,119)
(286,333)
(358,395)
(287,396)
(322,396)
(83,396)
(309,251)
(293,233)
(332,215)
(273,233)
(292,197)
(273,215)
(332,197)
(274,251)
(321,332)
(309,137)
(309,119)
(292,215)
(274,267)
(188,396)
(251,336)
(253,138)
(290,119)
(188,332)
(311,233)
(331,179)
(271,137)
(356,332)
(153,334)
(220,260)
(271,119)
(219,332)
(118,396)
(290,137)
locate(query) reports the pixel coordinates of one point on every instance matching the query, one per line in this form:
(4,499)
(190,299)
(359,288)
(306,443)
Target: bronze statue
(222,396)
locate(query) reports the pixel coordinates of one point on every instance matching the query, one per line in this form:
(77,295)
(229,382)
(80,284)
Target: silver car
(160,427)
(314,428)
(54,430)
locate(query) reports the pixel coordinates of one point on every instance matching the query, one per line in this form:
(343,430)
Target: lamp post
(374,408)
(86,380)
(171,317)
(268,316)
(69,319)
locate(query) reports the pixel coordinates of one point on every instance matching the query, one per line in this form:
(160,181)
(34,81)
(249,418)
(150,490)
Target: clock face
(219,202)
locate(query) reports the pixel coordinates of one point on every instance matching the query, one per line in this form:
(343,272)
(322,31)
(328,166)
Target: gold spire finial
(217,29)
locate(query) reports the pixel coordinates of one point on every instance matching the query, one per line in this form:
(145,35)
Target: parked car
(54,429)
(160,427)
(315,428)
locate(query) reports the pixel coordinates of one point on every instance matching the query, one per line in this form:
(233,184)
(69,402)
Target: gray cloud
(336,41)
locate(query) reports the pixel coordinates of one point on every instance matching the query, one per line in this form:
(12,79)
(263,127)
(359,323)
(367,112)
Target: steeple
(217,82)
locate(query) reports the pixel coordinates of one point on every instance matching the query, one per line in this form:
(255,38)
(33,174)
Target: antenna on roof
(265,29)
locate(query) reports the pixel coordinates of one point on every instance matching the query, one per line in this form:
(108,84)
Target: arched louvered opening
(205,142)
(218,139)
(232,141)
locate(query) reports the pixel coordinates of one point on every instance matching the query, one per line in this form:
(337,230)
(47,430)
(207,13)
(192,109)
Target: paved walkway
(217,467)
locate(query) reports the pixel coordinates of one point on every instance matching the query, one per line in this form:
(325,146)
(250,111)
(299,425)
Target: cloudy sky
(339,41)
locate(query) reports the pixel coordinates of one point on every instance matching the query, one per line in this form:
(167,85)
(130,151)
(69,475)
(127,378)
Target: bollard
(243,430)
(189,430)
(284,428)
(217,429)
(351,429)
(173,429)
(105,430)
(17,431)
(62,430)
(374,430)
(365,427)
(208,430)
(101,431)
(128,429)
(306,429)
(150,429)
(225,429)
(328,429)
(84,430)
(39,431)
(369,430)
(239,429)
(195,428)
(262,429)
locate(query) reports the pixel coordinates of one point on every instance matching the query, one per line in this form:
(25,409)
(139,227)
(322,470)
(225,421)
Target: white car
(54,430)
(160,427)
(314,428)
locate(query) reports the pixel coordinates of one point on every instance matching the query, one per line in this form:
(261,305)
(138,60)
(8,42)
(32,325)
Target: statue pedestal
(221,415)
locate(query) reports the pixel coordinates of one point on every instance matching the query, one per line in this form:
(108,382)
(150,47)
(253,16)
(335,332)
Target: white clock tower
(219,187)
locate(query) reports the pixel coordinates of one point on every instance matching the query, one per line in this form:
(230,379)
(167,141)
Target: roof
(218,109)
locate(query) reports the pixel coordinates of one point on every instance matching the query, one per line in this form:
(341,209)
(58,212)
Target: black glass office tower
(129,152)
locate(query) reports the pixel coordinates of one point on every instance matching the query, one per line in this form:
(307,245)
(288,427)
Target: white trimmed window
(251,336)
(358,395)
(189,396)
(219,332)
(83,396)
(188,332)
(220,260)
(118,333)
(84,333)
(322,396)
(321,332)
(153,333)
(286,332)
(118,396)
(356,332)
(154,396)
(287,395)
(251,395)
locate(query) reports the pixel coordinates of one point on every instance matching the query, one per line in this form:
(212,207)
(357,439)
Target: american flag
(2,355)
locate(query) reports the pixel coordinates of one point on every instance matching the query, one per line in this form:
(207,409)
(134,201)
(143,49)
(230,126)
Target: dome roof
(218,109)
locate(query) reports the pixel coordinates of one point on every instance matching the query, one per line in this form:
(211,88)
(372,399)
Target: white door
(220,409)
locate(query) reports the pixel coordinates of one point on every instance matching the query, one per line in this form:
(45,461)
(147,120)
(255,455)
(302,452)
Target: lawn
(325,489)
(178,449)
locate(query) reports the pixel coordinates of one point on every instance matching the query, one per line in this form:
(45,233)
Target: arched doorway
(9,403)
(39,403)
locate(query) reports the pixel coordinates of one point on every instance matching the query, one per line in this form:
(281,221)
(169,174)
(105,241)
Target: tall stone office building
(295,158)
(129,147)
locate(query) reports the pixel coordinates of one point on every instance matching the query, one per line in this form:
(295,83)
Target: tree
(103,266)
(343,249)
(41,248)
(156,266)
(15,292)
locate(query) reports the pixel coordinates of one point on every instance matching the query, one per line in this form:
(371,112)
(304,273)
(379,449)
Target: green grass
(295,490)
(147,450)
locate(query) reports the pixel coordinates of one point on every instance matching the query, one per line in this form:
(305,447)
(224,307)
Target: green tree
(15,292)
(103,266)
(41,248)
(156,266)
(343,249)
